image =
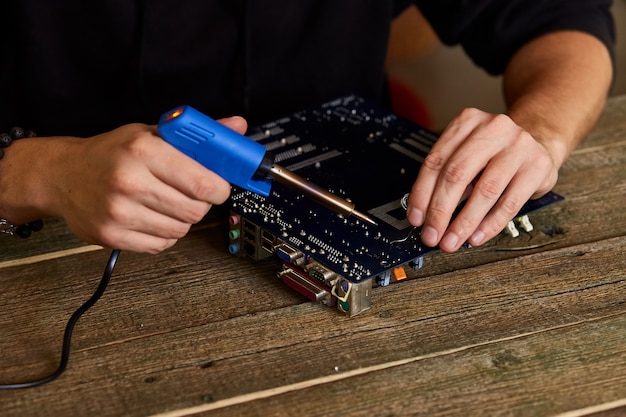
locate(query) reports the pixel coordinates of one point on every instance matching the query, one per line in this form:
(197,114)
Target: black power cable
(67,337)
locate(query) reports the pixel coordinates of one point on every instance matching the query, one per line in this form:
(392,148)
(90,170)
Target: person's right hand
(128,188)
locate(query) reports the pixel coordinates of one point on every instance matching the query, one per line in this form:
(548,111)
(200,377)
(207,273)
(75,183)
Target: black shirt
(72,67)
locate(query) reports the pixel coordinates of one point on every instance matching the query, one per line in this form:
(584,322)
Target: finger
(423,188)
(162,178)
(128,229)
(522,187)
(158,184)
(453,183)
(488,188)
(195,180)
(171,202)
(236,123)
(139,242)
(508,206)
(474,153)
(136,218)
(187,176)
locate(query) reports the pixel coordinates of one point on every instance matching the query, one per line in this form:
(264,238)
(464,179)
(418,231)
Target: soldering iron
(240,160)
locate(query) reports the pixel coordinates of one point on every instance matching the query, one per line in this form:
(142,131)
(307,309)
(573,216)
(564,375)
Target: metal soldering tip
(324,197)
(363,217)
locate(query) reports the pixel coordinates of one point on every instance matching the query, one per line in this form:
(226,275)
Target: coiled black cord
(67,337)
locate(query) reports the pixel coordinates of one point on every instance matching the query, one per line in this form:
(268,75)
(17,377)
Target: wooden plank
(611,409)
(225,358)
(55,236)
(182,287)
(532,374)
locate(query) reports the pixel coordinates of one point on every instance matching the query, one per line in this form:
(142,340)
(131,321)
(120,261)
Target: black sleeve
(490,31)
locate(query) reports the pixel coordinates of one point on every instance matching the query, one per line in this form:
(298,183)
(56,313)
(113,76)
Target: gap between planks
(49,256)
(272,392)
(598,148)
(69,252)
(594,409)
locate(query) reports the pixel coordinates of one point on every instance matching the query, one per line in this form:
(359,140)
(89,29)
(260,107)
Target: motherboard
(361,152)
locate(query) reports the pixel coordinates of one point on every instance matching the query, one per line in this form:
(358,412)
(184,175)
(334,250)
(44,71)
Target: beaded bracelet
(21,230)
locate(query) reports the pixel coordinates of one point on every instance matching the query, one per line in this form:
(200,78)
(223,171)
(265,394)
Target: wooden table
(532,326)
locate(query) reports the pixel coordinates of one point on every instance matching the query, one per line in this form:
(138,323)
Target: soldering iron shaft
(316,193)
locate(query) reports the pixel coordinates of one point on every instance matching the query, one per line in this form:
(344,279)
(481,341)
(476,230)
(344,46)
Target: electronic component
(360,152)
(525,224)
(511,230)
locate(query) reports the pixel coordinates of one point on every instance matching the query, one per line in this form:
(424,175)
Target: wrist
(23,230)
(545,131)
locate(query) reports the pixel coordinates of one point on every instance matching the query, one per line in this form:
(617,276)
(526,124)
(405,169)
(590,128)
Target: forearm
(555,88)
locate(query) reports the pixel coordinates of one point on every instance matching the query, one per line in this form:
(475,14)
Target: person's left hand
(488,160)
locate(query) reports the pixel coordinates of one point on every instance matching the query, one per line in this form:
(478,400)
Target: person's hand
(125,189)
(488,160)
(129,189)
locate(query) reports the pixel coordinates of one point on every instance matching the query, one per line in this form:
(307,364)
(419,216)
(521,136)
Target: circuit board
(359,151)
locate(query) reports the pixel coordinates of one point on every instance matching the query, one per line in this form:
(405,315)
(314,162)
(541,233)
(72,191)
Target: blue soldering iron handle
(232,156)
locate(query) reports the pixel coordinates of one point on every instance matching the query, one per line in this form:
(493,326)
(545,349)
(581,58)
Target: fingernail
(450,241)
(477,238)
(416,217)
(429,236)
